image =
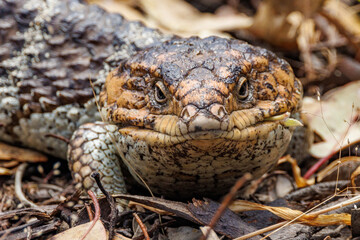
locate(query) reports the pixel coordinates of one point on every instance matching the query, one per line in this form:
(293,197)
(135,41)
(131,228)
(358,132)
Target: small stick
(111,201)
(155,226)
(18,191)
(89,211)
(225,203)
(66,140)
(142,226)
(263,230)
(97,212)
(3,202)
(318,164)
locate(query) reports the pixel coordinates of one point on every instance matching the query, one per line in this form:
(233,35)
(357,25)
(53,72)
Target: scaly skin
(49,50)
(188,116)
(193,115)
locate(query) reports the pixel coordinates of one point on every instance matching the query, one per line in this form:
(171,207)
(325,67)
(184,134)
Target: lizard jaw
(259,130)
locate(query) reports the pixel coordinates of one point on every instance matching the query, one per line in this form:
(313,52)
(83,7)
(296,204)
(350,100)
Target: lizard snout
(214,117)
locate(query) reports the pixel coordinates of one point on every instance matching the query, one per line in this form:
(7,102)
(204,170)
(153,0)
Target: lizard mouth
(170,134)
(251,132)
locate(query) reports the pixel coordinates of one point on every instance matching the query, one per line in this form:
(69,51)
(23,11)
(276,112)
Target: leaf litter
(318,47)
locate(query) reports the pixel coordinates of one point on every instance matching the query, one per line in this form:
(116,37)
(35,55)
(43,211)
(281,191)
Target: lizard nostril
(185,115)
(218,110)
(221,112)
(188,112)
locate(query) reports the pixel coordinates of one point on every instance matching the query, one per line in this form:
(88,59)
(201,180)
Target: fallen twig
(18,191)
(66,140)
(111,201)
(3,199)
(228,198)
(89,211)
(142,226)
(97,213)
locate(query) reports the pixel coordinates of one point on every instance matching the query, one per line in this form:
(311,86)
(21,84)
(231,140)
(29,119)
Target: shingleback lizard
(187,115)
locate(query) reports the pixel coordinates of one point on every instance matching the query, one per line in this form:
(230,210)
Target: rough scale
(49,52)
(187,116)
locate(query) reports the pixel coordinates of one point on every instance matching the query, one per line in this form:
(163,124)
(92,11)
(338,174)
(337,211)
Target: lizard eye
(242,88)
(160,93)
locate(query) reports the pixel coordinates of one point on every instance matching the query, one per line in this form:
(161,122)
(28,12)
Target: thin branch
(18,190)
(142,226)
(225,203)
(97,213)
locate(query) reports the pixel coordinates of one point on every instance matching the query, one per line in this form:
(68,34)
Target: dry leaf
(354,177)
(333,166)
(98,232)
(347,16)
(333,117)
(5,171)
(288,214)
(283,186)
(180,17)
(8,152)
(299,180)
(212,235)
(124,8)
(118,236)
(9,164)
(278,22)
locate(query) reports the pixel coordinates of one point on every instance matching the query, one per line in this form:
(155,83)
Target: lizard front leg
(93,148)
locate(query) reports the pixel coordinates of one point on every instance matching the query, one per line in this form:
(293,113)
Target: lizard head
(196,114)
(201,89)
